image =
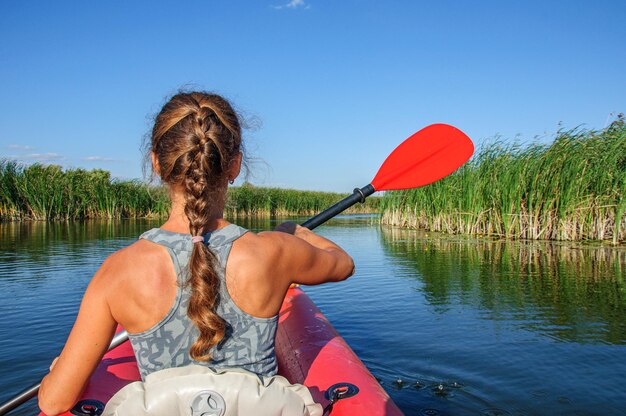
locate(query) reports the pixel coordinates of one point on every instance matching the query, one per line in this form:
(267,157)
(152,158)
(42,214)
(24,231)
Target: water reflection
(571,292)
(35,235)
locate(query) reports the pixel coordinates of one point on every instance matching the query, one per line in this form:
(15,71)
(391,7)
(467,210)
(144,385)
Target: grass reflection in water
(570,292)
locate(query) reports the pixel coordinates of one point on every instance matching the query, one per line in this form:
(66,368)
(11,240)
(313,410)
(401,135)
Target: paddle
(427,156)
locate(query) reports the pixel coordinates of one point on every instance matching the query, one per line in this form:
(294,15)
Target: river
(449,325)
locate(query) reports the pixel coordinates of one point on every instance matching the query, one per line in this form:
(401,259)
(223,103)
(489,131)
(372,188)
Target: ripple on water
(494,411)
(430,412)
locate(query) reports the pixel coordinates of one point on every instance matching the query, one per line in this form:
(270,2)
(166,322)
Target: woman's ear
(235,167)
(155,164)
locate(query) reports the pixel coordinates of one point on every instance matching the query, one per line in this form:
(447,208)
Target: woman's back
(248,342)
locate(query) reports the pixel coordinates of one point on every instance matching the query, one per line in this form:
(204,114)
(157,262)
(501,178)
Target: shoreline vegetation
(570,190)
(50,193)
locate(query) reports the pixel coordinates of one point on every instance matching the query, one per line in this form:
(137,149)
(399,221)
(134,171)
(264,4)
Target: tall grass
(572,189)
(250,200)
(39,192)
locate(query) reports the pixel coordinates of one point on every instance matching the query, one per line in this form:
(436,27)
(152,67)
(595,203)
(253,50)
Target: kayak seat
(196,390)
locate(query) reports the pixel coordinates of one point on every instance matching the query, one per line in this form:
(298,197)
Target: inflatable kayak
(309,352)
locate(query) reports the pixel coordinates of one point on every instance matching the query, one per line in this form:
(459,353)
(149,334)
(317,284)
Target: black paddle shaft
(358,195)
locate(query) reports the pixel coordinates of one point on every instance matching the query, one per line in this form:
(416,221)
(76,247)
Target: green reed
(39,192)
(571,189)
(47,192)
(251,200)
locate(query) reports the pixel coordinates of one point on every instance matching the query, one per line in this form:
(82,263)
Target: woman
(198,289)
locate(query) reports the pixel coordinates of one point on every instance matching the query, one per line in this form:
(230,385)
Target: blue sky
(330,87)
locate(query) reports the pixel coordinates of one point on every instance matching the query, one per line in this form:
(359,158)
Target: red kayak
(309,352)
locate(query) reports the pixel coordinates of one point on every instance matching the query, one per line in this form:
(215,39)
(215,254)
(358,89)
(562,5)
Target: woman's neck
(179,223)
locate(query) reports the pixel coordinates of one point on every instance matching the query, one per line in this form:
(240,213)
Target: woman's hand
(292,228)
(288,227)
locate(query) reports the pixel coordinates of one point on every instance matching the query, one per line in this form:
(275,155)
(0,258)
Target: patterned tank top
(249,341)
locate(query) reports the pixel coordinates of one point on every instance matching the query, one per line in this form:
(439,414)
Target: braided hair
(195,138)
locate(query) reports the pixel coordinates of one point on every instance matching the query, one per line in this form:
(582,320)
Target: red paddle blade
(425,157)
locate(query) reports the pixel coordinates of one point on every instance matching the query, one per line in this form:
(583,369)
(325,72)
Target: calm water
(471,327)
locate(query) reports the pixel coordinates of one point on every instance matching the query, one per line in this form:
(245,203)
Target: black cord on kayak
(88,407)
(337,392)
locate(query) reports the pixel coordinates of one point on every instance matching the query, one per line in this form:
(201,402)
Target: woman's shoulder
(266,256)
(140,254)
(139,283)
(132,265)
(265,245)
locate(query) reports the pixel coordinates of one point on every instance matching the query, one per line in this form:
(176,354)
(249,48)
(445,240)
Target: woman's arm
(310,259)
(88,341)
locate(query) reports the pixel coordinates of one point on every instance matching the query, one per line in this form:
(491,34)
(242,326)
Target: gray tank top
(249,341)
